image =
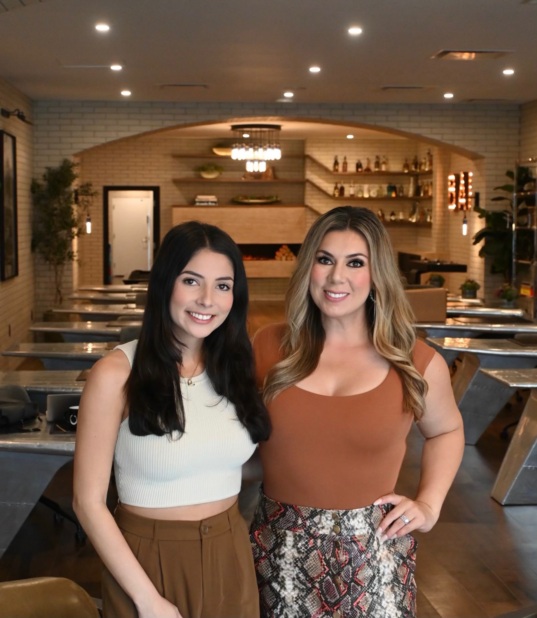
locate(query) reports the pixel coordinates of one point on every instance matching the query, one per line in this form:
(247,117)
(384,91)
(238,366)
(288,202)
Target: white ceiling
(254,50)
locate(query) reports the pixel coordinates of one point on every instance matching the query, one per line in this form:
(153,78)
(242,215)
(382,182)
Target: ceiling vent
(469,54)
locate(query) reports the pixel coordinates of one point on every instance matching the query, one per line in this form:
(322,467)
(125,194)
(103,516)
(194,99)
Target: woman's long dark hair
(153,389)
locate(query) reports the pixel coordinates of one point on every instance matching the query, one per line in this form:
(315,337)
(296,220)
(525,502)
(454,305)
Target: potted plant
(436,280)
(209,170)
(469,288)
(59,216)
(508,294)
(497,234)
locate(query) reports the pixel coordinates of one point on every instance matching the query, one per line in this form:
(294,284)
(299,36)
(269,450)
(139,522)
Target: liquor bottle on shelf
(335,165)
(367,167)
(384,164)
(415,164)
(429,160)
(406,166)
(376,164)
(359,166)
(344,165)
(335,191)
(380,214)
(351,189)
(341,190)
(393,216)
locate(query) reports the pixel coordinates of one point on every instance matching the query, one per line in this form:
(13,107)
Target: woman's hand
(406,516)
(159,608)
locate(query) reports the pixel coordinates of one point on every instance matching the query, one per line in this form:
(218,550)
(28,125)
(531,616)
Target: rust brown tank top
(333,452)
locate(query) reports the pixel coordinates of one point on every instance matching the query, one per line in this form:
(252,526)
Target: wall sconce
(18,113)
(460,191)
(88,225)
(465,226)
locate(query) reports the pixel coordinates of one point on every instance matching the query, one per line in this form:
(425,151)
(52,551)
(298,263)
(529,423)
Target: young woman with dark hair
(343,379)
(177,413)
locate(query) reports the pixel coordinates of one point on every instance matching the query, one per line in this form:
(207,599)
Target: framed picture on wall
(9,259)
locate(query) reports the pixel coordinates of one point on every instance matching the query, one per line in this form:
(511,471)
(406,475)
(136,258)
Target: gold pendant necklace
(190,381)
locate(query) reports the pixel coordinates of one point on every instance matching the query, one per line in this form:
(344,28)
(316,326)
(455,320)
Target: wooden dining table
(462,309)
(28,460)
(99,312)
(461,327)
(112,288)
(103,298)
(88,331)
(475,398)
(62,355)
(516,481)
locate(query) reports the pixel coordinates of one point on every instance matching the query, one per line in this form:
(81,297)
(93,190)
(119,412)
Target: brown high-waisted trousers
(204,567)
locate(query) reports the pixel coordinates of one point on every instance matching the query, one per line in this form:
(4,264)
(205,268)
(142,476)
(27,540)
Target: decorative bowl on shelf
(252,199)
(209,171)
(222,151)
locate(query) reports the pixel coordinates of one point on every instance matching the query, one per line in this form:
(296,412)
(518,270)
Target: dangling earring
(371,295)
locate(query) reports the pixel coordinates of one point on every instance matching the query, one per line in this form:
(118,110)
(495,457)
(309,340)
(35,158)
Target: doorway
(131,217)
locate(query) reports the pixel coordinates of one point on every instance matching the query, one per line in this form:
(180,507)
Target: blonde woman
(344,380)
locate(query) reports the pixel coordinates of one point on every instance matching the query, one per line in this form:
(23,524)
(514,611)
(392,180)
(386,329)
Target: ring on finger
(404,519)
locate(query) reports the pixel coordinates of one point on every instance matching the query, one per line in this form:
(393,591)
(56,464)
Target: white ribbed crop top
(203,465)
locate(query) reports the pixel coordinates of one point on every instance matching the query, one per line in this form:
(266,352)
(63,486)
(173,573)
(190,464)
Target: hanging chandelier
(256,144)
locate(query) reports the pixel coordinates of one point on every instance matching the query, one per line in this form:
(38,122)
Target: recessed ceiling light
(116,67)
(508,71)
(354,30)
(102,27)
(315,69)
(350,136)
(288,94)
(126,93)
(448,95)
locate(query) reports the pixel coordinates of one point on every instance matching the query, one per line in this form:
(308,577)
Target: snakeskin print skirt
(315,563)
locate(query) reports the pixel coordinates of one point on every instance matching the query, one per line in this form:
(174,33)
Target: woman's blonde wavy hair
(389,316)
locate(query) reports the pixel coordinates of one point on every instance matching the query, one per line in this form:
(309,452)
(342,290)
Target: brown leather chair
(429,304)
(45,597)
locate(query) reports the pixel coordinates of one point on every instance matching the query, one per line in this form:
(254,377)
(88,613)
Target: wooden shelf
(251,224)
(212,155)
(266,269)
(384,198)
(372,174)
(390,224)
(235,181)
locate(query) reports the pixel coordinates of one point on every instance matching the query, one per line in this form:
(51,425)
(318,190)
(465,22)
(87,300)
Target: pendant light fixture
(256,144)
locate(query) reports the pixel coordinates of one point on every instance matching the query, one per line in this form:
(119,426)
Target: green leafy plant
(436,280)
(497,234)
(507,292)
(59,214)
(470,285)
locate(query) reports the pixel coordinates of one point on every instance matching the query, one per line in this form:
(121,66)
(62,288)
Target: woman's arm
(442,428)
(252,470)
(100,415)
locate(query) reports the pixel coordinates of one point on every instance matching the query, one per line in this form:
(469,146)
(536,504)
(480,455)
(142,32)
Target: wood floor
(480,560)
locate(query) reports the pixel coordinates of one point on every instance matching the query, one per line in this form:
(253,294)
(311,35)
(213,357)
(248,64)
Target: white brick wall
(17,294)
(485,137)
(487,134)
